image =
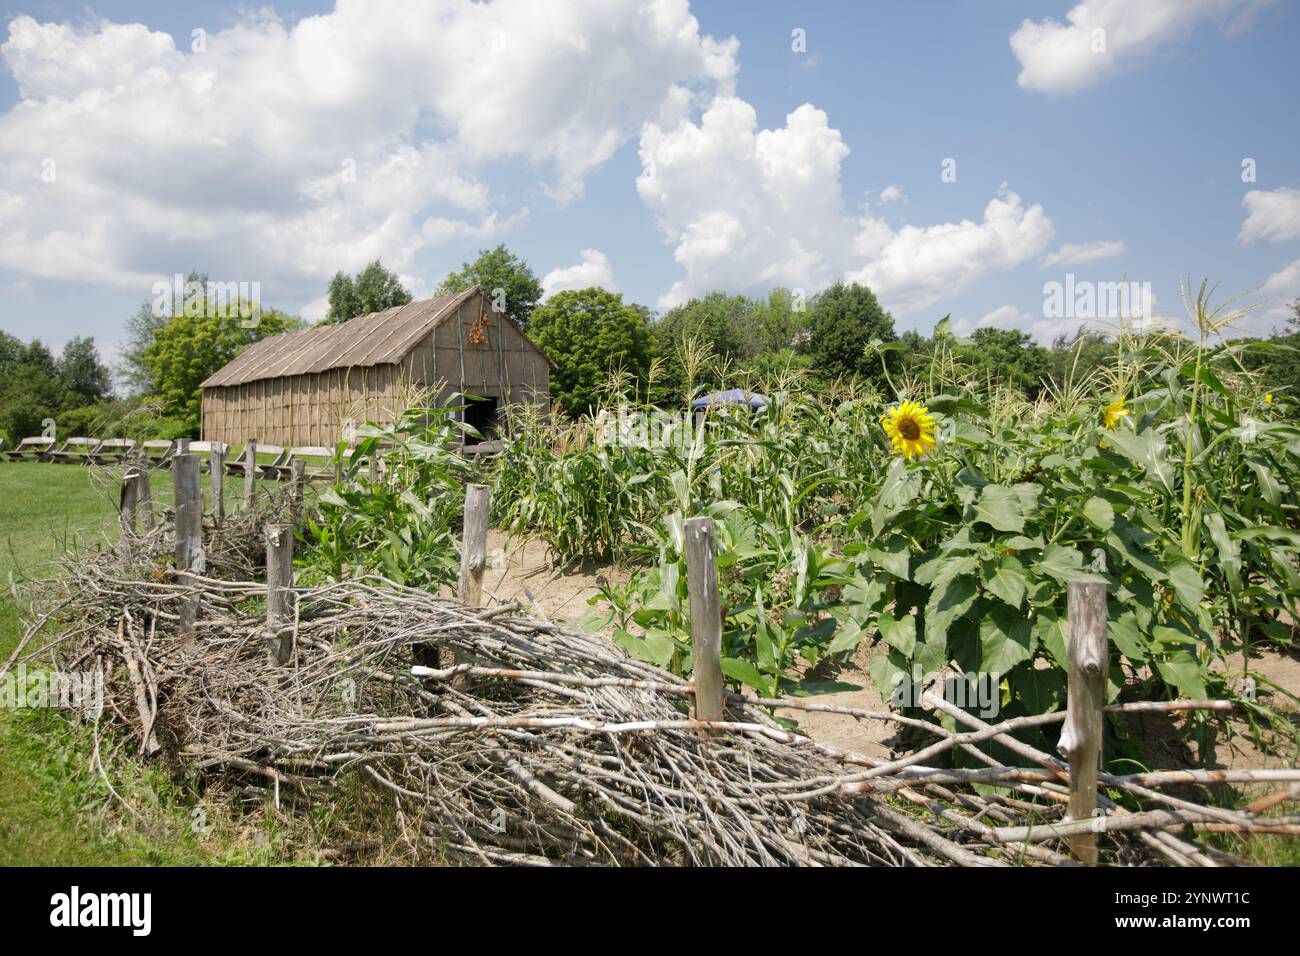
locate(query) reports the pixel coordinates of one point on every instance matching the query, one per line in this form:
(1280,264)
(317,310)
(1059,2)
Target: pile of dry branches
(545,746)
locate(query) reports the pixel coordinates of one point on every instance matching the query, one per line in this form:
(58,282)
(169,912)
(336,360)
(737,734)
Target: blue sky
(630,143)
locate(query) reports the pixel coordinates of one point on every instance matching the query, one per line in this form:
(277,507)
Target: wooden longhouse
(302,388)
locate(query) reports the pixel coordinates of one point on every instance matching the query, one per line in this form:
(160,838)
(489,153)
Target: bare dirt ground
(520,567)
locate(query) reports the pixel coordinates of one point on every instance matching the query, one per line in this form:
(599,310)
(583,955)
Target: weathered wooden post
(250,472)
(1089,659)
(279,591)
(706,618)
(129,499)
(473,562)
(182,446)
(374,468)
(143,493)
(189,532)
(473,555)
(297,476)
(218,459)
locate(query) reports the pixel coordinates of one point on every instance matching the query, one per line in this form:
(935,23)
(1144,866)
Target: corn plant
(402,526)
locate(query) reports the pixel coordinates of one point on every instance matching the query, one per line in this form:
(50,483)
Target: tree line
(600,345)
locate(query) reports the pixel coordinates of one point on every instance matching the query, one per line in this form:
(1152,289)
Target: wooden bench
(206,448)
(320,455)
(238,466)
(114,449)
(30,449)
(80,451)
(168,449)
(480,450)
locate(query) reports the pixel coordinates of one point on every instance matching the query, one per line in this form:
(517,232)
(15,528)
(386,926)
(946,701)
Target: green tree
(1074,359)
(187,349)
(1280,367)
(843,320)
(717,322)
(773,326)
(1008,356)
(30,388)
(140,329)
(374,289)
(85,377)
(11,347)
(589,334)
(504,277)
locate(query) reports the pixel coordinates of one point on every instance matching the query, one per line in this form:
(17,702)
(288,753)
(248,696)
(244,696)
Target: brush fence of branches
(503,739)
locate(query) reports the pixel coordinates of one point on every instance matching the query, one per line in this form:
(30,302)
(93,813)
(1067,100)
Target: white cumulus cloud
(1081,253)
(285,150)
(593,270)
(891,194)
(1284,282)
(914,267)
(1271,216)
(1101,35)
(748,209)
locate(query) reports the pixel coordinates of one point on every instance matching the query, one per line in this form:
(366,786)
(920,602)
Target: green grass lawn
(55,806)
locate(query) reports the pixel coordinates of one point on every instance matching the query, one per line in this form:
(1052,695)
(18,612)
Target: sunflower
(1115,411)
(910,428)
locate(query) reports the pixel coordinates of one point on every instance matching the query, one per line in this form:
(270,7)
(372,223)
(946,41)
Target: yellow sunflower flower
(1115,411)
(910,428)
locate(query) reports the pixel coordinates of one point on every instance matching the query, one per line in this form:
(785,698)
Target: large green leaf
(899,633)
(656,647)
(1041,688)
(1149,450)
(1229,550)
(742,670)
(1002,508)
(1128,542)
(892,556)
(1005,579)
(1184,672)
(949,600)
(1127,636)
(1064,564)
(1269,489)
(1006,639)
(1187,584)
(1100,513)
(1050,629)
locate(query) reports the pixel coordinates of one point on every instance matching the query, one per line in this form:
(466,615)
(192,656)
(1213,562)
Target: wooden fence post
(129,499)
(297,475)
(374,469)
(250,472)
(1089,659)
(279,591)
(217,457)
(473,555)
(189,531)
(143,493)
(706,618)
(473,562)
